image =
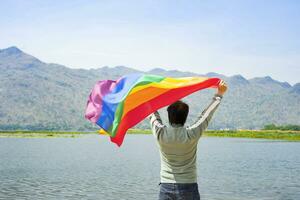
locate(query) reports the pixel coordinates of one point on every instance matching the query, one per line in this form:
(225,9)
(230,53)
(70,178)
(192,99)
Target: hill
(35,95)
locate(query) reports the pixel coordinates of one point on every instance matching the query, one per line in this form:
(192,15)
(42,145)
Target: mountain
(36,95)
(296,88)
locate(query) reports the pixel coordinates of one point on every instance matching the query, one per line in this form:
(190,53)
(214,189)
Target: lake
(91,167)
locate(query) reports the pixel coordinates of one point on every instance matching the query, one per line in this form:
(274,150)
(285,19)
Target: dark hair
(178,112)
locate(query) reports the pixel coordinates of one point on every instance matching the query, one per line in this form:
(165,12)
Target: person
(178,147)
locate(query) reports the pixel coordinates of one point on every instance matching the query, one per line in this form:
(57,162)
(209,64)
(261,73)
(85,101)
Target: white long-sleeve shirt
(178,145)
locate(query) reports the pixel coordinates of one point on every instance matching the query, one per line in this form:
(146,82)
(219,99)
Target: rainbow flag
(118,105)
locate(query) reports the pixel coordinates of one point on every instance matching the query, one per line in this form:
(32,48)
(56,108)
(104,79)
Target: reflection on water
(93,168)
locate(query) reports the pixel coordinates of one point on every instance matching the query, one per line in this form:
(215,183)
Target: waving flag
(118,105)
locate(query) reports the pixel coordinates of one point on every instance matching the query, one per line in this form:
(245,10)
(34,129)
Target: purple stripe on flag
(94,104)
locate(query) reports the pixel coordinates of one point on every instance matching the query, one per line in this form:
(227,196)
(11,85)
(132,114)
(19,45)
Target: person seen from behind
(178,147)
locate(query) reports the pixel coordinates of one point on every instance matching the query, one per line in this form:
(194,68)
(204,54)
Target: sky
(253,38)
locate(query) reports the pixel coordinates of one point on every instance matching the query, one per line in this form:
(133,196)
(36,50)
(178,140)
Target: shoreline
(254,134)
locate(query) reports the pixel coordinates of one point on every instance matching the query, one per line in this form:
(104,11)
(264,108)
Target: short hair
(178,112)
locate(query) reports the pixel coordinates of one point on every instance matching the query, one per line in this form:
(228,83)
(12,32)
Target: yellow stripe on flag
(102,132)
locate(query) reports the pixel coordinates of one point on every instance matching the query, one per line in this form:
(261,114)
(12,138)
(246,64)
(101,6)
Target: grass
(263,134)
(139,131)
(42,134)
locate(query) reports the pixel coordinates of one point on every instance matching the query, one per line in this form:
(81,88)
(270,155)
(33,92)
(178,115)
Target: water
(93,168)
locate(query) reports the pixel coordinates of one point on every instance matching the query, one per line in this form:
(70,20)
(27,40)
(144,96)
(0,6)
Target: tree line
(288,127)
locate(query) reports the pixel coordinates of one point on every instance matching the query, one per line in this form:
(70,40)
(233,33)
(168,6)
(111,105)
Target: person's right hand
(222,88)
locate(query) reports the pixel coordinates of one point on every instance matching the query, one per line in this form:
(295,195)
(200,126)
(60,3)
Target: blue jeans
(179,191)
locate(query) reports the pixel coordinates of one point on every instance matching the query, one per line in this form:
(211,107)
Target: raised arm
(195,130)
(157,126)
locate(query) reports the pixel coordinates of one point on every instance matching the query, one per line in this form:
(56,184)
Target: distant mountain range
(43,96)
